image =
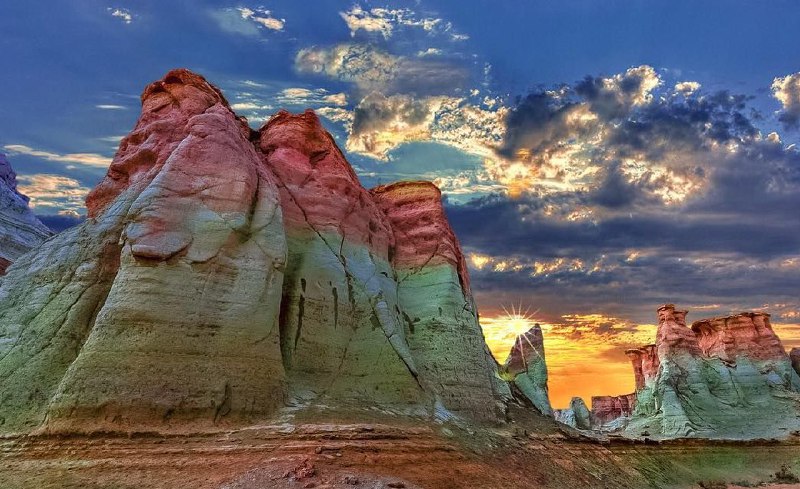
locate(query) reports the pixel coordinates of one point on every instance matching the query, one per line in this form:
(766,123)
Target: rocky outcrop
(20,229)
(607,409)
(794,356)
(645,364)
(722,378)
(577,415)
(526,368)
(226,275)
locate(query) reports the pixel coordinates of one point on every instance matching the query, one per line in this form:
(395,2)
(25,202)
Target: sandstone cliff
(20,229)
(726,377)
(226,275)
(526,368)
(607,409)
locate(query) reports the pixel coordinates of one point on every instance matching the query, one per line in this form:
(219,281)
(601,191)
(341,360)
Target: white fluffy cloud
(54,193)
(787,90)
(262,17)
(385,21)
(121,13)
(686,88)
(247,21)
(88,159)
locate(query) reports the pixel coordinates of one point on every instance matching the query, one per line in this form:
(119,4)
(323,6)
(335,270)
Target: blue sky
(597,157)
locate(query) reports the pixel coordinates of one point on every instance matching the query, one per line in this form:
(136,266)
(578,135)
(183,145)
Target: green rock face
(223,280)
(577,415)
(527,368)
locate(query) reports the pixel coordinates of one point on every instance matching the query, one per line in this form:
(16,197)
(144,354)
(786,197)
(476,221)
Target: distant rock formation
(20,229)
(577,415)
(726,377)
(606,409)
(527,369)
(224,274)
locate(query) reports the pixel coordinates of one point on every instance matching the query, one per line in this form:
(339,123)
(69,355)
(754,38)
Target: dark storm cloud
(58,222)
(733,241)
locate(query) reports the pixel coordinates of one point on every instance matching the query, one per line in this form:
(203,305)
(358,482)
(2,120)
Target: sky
(597,159)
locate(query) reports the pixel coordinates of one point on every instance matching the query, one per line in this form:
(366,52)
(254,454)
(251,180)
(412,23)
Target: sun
(518,321)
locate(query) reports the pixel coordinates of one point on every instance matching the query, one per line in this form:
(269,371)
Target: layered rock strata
(226,274)
(20,229)
(526,368)
(607,409)
(724,377)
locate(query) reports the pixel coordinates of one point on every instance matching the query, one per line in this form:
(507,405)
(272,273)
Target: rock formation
(606,409)
(20,229)
(577,415)
(225,274)
(794,356)
(725,377)
(527,369)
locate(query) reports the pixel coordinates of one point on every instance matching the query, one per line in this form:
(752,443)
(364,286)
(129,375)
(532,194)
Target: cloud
(371,69)
(307,96)
(246,21)
(787,90)
(54,193)
(111,107)
(381,124)
(262,17)
(386,21)
(121,13)
(686,88)
(87,159)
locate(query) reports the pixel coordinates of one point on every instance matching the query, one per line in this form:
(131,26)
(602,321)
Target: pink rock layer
(422,232)
(167,106)
(318,186)
(645,364)
(672,335)
(608,408)
(748,333)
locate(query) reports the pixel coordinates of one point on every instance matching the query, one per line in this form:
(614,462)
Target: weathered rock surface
(527,369)
(20,229)
(606,409)
(577,415)
(722,378)
(794,356)
(645,364)
(225,274)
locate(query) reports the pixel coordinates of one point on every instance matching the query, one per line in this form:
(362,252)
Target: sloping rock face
(225,275)
(20,229)
(577,415)
(794,356)
(721,378)
(527,369)
(606,409)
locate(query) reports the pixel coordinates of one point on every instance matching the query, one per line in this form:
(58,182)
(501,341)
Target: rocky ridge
(724,377)
(227,275)
(20,229)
